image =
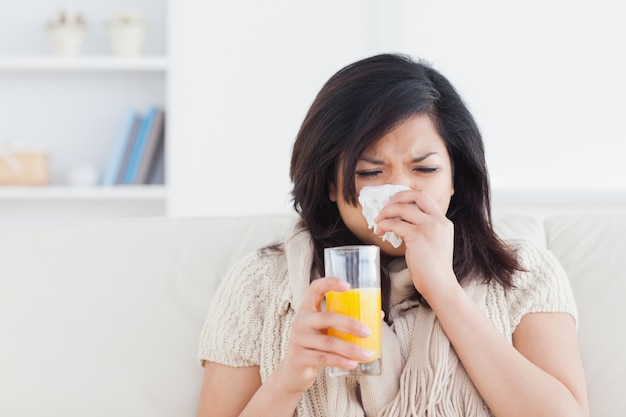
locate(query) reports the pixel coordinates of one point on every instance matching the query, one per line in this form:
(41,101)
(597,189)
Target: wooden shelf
(83,63)
(74,193)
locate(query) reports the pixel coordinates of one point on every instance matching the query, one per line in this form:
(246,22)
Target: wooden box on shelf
(24,168)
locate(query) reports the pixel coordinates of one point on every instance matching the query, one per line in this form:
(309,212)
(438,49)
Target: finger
(317,290)
(337,346)
(319,359)
(404,224)
(394,214)
(328,319)
(420,198)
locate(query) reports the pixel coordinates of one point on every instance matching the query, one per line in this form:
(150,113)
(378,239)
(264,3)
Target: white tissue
(373,199)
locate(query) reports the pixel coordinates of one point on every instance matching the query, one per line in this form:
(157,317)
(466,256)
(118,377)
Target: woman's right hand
(310,348)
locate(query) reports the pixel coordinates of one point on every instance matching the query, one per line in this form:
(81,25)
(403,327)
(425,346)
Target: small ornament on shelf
(82,175)
(127,32)
(23,165)
(67,33)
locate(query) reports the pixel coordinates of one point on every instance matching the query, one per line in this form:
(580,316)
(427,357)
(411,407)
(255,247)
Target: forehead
(416,135)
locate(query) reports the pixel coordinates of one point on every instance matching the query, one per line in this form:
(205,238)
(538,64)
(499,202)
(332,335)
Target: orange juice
(364,305)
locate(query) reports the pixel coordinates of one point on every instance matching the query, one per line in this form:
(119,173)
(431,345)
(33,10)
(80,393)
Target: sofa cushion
(518,226)
(592,249)
(103,319)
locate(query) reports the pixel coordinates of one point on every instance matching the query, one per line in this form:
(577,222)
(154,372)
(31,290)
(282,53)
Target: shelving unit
(64,193)
(73,107)
(84,63)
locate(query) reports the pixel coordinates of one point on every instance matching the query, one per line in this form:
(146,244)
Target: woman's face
(414,155)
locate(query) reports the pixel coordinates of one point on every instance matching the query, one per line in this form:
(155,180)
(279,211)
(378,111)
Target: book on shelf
(154,144)
(118,157)
(157,171)
(128,150)
(145,147)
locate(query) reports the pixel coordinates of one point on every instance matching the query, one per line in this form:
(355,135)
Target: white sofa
(103,318)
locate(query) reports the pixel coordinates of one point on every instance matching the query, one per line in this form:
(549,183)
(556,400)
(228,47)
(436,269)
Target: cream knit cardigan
(251,314)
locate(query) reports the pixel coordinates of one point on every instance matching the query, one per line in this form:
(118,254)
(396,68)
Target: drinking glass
(360,266)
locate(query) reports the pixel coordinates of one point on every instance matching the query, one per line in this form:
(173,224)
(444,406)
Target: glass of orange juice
(360,266)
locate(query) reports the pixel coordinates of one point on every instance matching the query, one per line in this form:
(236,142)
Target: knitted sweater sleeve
(234,321)
(542,287)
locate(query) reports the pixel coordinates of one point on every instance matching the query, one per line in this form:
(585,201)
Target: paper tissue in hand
(373,199)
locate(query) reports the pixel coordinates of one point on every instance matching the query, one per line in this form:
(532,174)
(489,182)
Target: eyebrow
(413,161)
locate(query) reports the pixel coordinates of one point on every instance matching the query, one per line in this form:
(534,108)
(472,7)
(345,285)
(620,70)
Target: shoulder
(531,254)
(539,266)
(541,286)
(265,261)
(256,274)
(250,293)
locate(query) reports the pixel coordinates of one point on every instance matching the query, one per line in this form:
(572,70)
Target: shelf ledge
(75,193)
(83,63)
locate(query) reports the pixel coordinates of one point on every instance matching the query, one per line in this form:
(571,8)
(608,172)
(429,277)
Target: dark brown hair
(354,109)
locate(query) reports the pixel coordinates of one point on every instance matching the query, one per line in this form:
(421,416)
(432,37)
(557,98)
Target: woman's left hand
(428,237)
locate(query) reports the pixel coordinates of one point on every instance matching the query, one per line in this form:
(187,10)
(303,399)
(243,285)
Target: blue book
(130,145)
(114,164)
(130,176)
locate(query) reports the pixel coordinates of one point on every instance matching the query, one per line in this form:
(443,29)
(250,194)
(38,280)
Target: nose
(402,178)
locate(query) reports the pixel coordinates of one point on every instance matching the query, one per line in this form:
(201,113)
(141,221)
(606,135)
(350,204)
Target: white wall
(544,80)
(244,76)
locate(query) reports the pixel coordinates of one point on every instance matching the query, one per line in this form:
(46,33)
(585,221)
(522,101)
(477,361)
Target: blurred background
(233,81)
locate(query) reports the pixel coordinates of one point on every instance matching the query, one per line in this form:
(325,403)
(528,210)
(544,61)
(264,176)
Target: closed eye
(426,170)
(368,174)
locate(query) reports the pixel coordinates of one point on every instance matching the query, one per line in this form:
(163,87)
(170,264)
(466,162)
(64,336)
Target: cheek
(442,194)
(351,215)
(444,205)
(353,218)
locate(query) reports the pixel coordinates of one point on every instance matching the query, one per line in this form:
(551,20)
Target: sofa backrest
(592,249)
(103,318)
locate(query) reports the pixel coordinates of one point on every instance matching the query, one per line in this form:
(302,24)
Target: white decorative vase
(127,39)
(66,40)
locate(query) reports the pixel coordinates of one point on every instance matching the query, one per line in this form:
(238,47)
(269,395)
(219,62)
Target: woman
(474,326)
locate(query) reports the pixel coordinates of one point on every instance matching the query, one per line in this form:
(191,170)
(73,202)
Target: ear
(332,192)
